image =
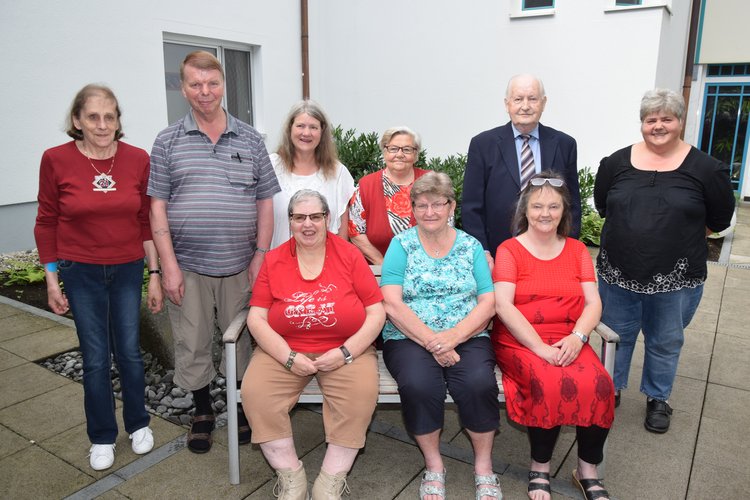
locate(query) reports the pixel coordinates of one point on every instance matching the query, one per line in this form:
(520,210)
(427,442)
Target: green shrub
(591,223)
(454,166)
(362,155)
(21,273)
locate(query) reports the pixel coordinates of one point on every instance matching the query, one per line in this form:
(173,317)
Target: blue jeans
(105,301)
(663,318)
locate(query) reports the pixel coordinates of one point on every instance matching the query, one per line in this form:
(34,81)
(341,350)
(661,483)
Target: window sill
(532,13)
(647,4)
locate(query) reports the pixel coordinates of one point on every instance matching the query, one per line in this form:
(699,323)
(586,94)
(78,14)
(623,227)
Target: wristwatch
(584,338)
(348,358)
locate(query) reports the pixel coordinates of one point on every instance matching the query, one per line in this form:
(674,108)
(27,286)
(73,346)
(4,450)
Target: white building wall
(441,66)
(52,49)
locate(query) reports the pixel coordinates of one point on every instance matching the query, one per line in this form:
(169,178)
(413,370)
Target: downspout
(305,51)
(695,11)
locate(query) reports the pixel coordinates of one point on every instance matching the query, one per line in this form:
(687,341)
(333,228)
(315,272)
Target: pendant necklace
(104,183)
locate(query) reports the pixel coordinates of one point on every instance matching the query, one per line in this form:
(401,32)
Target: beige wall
(725,37)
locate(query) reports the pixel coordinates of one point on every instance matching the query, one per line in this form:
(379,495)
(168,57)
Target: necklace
(104,183)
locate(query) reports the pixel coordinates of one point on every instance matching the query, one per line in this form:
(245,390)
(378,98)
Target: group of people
(217,217)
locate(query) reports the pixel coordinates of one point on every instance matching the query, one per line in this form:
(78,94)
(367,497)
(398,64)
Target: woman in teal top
(439,298)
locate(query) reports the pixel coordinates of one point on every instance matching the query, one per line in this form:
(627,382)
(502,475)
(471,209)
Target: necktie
(527,161)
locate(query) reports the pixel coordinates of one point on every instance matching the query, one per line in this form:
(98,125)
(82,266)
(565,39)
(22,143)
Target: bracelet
(290,361)
(154,271)
(262,250)
(51,267)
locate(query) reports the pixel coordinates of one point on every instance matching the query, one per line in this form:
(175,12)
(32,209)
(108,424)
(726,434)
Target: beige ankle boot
(328,487)
(291,484)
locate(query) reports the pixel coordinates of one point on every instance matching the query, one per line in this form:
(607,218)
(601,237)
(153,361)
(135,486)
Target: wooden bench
(388,392)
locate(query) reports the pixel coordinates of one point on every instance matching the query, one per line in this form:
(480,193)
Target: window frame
(519,10)
(220,46)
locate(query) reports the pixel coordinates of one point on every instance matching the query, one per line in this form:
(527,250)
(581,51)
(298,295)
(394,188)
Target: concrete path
(43,444)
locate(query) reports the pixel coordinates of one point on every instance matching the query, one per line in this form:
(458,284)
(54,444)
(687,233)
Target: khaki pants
(350,393)
(208,301)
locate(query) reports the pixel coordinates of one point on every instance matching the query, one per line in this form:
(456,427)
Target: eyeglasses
(539,181)
(407,150)
(438,206)
(300,218)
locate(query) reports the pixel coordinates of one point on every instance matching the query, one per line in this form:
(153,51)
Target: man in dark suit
(492,180)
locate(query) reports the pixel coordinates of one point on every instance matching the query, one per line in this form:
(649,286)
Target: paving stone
(26,381)
(8,310)
(11,442)
(18,325)
(34,473)
(67,402)
(9,360)
(186,474)
(43,344)
(73,444)
(730,362)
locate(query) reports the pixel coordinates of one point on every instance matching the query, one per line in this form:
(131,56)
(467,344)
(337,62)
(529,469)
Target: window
(729,70)
(237,62)
(628,2)
(538,4)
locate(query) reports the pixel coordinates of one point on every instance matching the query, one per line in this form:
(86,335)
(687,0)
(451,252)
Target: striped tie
(527,161)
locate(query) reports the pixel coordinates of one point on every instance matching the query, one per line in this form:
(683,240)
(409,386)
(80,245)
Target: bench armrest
(235,328)
(606,333)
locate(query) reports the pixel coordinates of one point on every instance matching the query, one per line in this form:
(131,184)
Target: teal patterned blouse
(441,291)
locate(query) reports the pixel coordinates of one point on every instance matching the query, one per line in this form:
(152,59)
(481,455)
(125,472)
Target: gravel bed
(10,261)
(162,396)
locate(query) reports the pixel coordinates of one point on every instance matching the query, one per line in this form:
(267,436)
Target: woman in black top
(660,197)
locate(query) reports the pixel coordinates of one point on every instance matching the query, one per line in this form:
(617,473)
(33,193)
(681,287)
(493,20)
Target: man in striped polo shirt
(211,189)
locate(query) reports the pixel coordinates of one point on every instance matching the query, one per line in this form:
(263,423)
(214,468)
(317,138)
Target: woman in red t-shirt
(548,304)
(315,311)
(92,228)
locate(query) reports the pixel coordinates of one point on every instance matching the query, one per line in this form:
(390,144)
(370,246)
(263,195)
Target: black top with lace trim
(654,237)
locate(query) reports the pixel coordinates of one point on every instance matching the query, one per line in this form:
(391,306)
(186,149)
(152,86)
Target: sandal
(539,486)
(585,486)
(244,434)
(430,489)
(493,490)
(200,442)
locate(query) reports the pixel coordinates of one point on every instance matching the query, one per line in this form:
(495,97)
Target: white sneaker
(142,441)
(101,456)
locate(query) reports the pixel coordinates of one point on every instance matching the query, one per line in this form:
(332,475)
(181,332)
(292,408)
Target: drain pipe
(695,12)
(305,51)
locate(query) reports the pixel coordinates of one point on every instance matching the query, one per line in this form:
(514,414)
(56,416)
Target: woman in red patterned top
(547,302)
(381,204)
(315,312)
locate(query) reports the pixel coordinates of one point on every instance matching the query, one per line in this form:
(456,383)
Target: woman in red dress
(547,301)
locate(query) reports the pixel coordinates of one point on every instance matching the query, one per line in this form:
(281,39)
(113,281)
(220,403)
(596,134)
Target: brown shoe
(291,484)
(199,438)
(330,487)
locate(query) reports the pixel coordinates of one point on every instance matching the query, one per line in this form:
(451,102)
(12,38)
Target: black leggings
(590,443)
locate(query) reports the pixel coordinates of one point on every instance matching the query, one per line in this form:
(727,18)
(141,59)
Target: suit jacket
(492,182)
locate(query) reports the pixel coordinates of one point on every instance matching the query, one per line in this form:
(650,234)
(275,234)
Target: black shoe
(617,399)
(658,414)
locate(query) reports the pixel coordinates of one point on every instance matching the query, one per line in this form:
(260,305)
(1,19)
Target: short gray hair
(401,129)
(666,100)
(524,76)
(436,183)
(307,194)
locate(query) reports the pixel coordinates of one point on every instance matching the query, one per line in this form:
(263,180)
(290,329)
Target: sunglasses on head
(539,181)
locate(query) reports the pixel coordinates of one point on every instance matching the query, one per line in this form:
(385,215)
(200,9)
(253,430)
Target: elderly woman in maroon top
(92,228)
(381,204)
